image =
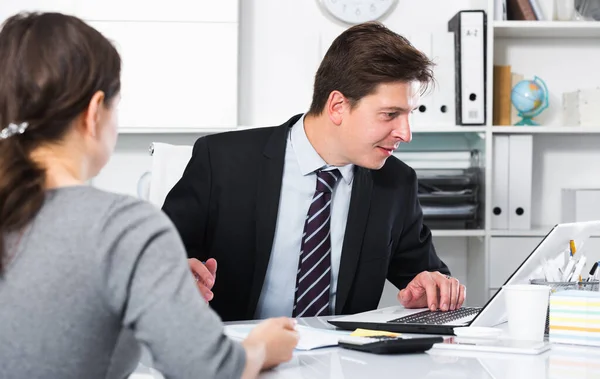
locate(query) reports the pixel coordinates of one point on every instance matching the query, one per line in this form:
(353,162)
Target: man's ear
(336,107)
(91,117)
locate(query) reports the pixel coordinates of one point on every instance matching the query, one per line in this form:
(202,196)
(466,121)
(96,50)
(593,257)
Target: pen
(568,273)
(579,264)
(572,247)
(593,270)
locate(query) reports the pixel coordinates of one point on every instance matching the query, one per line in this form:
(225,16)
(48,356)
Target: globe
(530,98)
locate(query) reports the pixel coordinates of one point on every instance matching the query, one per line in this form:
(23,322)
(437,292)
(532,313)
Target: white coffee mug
(526,308)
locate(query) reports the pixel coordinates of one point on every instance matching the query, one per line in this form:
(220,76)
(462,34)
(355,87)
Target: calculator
(389,345)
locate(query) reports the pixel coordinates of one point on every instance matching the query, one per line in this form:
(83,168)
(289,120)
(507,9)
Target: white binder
(423,116)
(500,10)
(519,181)
(500,178)
(442,50)
(469,29)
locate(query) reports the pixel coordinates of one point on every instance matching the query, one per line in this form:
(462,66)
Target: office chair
(168,164)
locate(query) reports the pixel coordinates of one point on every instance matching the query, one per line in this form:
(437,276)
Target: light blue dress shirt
(297,190)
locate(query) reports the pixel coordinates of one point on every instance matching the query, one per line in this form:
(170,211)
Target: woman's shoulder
(99,206)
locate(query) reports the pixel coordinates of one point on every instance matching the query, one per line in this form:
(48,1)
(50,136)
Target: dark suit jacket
(225,207)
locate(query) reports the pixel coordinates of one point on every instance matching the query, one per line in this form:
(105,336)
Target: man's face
(378,124)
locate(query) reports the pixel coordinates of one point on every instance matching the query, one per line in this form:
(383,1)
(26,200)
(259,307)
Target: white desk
(561,361)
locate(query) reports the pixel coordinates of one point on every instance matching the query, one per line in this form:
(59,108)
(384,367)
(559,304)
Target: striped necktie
(314,267)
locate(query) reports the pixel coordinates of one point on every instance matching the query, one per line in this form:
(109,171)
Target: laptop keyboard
(437,317)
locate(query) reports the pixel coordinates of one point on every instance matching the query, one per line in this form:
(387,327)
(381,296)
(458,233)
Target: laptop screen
(554,243)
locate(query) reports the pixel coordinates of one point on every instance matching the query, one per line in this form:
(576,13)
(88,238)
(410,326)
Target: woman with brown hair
(79,267)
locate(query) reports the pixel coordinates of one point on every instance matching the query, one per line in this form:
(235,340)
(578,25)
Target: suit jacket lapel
(360,202)
(267,205)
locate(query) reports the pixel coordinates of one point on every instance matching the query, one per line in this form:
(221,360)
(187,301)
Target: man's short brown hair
(364,56)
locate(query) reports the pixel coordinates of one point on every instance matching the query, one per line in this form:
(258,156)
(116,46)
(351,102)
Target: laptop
(493,313)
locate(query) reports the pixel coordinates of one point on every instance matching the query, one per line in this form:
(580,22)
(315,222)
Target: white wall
(179,58)
(283,41)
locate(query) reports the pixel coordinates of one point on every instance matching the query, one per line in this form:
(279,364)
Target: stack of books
(575,317)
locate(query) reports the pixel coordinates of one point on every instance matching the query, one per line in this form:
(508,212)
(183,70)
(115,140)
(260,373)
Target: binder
(470,35)
(424,114)
(500,10)
(442,50)
(500,182)
(519,181)
(537,10)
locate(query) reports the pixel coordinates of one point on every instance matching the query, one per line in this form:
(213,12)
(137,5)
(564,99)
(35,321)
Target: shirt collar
(308,158)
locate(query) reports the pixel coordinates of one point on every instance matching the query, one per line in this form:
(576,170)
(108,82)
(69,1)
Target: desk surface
(561,361)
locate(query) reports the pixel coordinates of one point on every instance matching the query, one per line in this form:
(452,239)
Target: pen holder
(562,286)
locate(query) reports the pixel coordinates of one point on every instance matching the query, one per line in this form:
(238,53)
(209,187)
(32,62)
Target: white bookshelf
(416,130)
(202,130)
(535,231)
(545,130)
(561,53)
(458,233)
(546,29)
(449,129)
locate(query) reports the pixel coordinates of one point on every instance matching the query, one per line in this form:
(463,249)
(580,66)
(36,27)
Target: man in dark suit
(310,217)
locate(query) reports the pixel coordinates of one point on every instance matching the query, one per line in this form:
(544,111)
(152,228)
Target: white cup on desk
(526,308)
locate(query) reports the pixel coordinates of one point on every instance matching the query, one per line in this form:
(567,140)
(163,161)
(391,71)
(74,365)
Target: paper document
(310,338)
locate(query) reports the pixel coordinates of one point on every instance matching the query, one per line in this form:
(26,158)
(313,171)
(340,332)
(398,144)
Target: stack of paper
(310,338)
(575,317)
(437,159)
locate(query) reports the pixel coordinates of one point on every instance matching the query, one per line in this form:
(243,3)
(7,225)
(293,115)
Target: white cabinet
(176,75)
(9,8)
(131,10)
(563,156)
(180,59)
(154,10)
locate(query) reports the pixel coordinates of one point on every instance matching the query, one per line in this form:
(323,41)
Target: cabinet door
(176,75)
(506,255)
(9,7)
(144,10)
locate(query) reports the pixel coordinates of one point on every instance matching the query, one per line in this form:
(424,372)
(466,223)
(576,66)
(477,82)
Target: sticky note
(372,333)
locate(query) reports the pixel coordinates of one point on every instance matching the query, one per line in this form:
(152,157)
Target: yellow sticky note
(372,333)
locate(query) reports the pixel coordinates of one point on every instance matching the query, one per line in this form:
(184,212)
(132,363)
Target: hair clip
(13,129)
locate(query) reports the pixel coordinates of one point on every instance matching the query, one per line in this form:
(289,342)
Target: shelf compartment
(547,29)
(546,129)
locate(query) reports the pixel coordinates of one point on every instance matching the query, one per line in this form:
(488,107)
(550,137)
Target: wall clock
(357,11)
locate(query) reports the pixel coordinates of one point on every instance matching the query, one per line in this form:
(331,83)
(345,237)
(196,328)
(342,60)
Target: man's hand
(433,290)
(205,275)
